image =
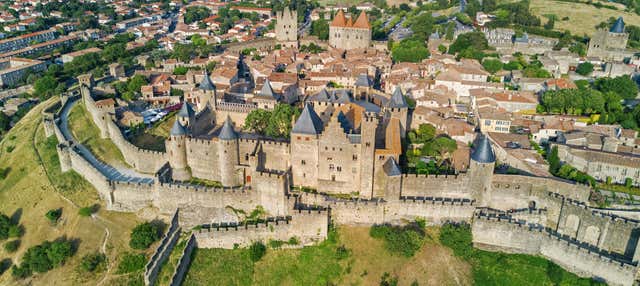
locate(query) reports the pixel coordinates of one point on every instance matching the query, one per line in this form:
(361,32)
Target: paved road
(123,175)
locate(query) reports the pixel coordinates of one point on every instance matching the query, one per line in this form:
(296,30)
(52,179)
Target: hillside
(582,17)
(34,185)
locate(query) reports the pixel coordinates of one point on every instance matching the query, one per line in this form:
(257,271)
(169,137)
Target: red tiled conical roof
(362,22)
(339,20)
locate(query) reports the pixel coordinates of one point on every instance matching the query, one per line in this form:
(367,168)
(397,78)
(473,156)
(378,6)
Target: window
(355,157)
(303,162)
(331,167)
(339,169)
(487,122)
(329,159)
(381,157)
(333,178)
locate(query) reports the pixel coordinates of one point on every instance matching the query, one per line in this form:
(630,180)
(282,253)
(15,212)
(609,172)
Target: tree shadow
(16,216)
(5,264)
(160,225)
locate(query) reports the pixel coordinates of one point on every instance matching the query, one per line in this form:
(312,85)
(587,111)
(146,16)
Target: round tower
(228,154)
(481,167)
(177,149)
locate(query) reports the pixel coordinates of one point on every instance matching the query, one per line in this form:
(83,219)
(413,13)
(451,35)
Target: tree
(320,29)
(136,82)
(12,246)
(196,13)
(473,40)
(257,121)
(143,235)
(53,215)
(280,120)
(579,48)
(257,251)
(623,85)
(91,262)
(5,224)
(442,48)
(45,87)
(5,122)
(585,68)
(410,50)
(59,251)
(422,26)
(492,65)
(554,160)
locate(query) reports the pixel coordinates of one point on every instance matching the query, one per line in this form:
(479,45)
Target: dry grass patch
(28,192)
(582,17)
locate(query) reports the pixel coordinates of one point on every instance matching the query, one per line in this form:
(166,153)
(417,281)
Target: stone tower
(367,154)
(346,34)
(481,167)
(304,148)
(287,27)
(610,45)
(206,91)
(228,154)
(177,149)
(397,107)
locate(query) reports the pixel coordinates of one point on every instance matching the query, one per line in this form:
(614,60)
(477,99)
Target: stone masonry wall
(163,251)
(308,227)
(500,235)
(183,262)
(145,161)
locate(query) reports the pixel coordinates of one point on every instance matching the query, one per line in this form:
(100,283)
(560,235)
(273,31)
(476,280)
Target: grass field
(88,134)
(367,261)
(582,17)
(33,186)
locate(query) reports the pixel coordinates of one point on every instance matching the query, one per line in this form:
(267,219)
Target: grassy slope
(28,190)
(87,133)
(582,17)
(318,265)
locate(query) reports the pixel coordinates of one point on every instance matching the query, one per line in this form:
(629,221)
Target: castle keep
(345,143)
(346,34)
(287,27)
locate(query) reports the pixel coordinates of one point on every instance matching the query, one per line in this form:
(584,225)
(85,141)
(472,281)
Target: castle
(287,27)
(346,34)
(610,45)
(340,165)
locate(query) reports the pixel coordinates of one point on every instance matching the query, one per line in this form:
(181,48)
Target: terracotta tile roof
(362,21)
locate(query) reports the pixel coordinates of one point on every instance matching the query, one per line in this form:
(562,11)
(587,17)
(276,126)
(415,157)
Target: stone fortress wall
(143,160)
(497,234)
(591,244)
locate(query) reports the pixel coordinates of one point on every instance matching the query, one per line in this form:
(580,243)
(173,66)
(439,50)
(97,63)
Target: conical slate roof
(618,26)
(227,132)
(391,168)
(308,122)
(344,97)
(483,153)
(561,138)
(397,99)
(186,110)
(206,83)
(177,129)
(267,90)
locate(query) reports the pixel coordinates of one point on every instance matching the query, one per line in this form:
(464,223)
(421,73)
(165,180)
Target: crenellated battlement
(244,190)
(235,107)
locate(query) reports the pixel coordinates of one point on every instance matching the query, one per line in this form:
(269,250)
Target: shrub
(53,215)
(131,262)
(458,238)
(143,235)
(406,240)
(91,262)
(5,223)
(12,246)
(44,257)
(256,251)
(87,211)
(15,231)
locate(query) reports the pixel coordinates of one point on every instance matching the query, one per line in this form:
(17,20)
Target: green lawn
(153,138)
(87,133)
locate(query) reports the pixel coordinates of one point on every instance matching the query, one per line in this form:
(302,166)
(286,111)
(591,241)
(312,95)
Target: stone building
(610,45)
(12,70)
(347,35)
(287,27)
